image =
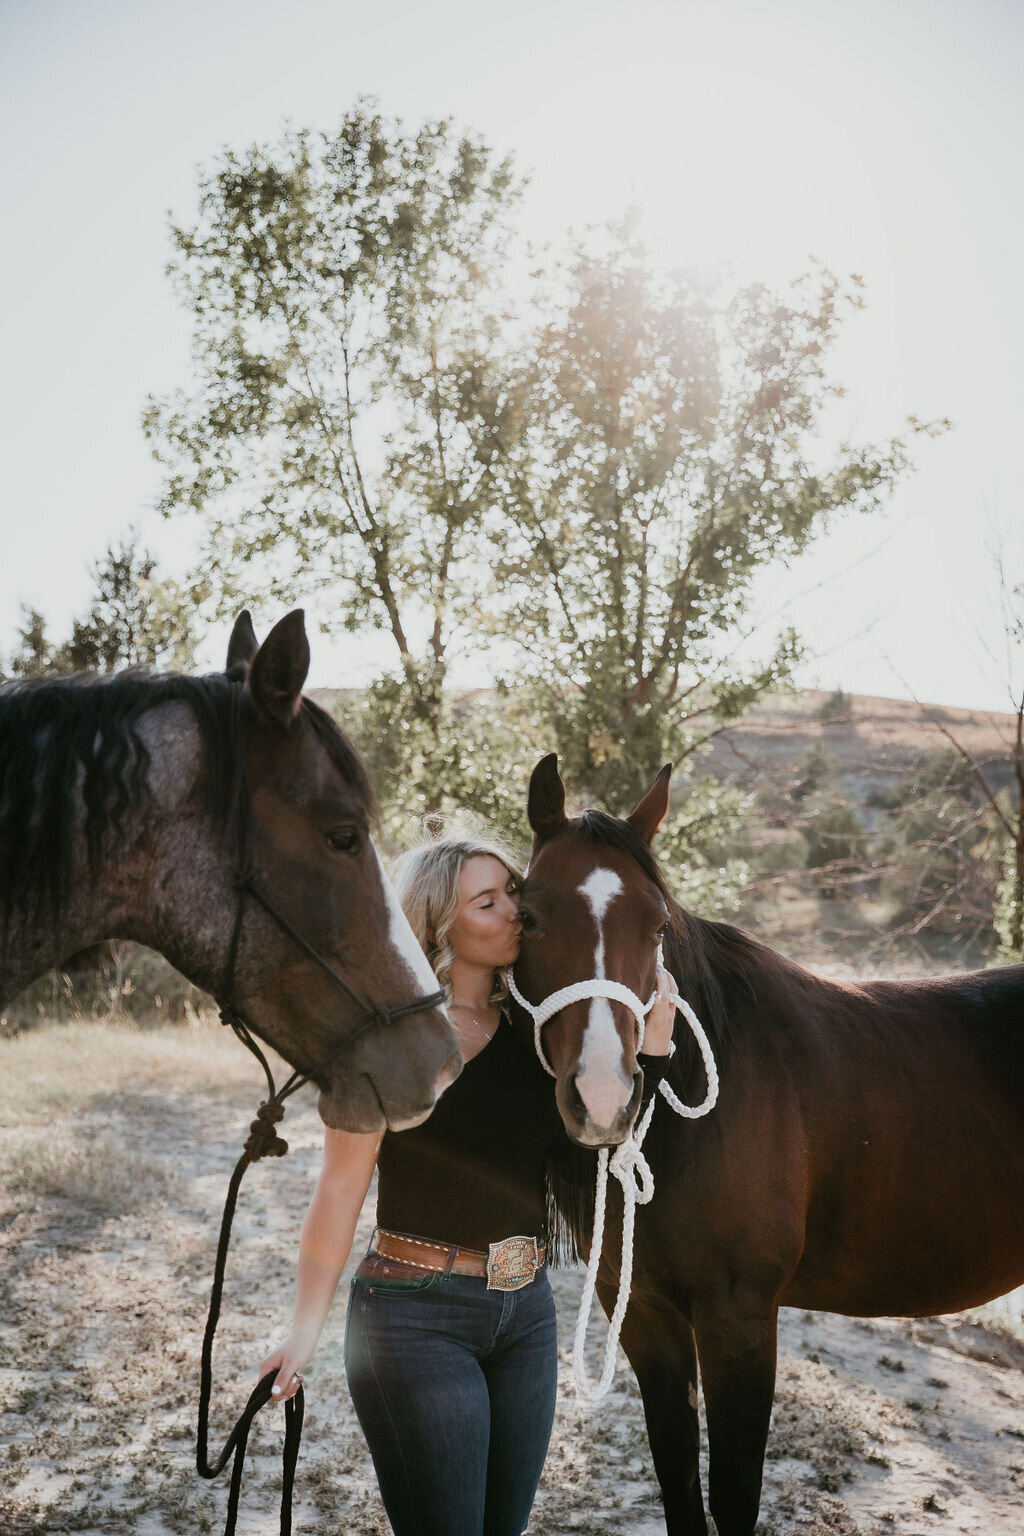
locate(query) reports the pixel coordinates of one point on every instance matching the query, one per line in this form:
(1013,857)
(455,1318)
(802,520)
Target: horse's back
(918,1153)
(977,1016)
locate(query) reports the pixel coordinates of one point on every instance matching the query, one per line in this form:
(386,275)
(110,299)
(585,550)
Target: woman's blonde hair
(427,881)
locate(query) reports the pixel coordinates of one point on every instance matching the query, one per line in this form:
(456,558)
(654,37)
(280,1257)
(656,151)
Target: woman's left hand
(659,1022)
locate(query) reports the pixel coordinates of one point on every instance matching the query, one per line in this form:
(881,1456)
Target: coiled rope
(628,1164)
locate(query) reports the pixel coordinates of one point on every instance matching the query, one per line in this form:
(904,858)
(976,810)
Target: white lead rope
(628,1163)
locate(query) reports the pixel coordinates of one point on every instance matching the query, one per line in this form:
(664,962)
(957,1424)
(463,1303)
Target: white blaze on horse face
(404,940)
(601,1079)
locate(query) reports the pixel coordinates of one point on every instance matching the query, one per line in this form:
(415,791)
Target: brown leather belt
(506,1266)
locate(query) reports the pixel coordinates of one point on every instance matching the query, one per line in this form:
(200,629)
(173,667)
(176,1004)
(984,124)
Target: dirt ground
(115,1150)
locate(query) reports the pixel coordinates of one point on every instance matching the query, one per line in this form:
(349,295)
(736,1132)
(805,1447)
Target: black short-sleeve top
(474,1172)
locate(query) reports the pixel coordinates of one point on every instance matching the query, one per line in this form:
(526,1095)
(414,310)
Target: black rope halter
(263,1141)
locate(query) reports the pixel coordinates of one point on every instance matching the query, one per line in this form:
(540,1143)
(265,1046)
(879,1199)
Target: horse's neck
(159,876)
(39,940)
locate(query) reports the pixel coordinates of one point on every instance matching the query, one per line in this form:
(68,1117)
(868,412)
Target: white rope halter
(578,992)
(627,1164)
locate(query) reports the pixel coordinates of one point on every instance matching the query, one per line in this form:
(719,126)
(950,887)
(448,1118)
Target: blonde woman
(452,1377)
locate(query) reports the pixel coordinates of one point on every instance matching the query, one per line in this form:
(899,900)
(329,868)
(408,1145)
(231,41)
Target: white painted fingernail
(275,1391)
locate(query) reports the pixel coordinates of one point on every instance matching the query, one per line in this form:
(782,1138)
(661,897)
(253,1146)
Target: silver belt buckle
(512,1263)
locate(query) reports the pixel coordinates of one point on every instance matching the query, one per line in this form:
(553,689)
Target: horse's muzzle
(585,1129)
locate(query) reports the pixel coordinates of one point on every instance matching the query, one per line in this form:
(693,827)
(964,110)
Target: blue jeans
(454,1386)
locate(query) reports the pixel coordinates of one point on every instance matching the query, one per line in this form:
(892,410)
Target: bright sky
(882,138)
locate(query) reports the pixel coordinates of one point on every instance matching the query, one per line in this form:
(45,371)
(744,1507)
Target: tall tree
(666,459)
(348,410)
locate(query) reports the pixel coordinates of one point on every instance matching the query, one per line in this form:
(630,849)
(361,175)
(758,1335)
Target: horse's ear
(653,808)
(545,807)
(242,646)
(279,668)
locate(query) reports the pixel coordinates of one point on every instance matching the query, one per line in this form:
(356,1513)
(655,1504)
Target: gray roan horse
(224,821)
(866,1154)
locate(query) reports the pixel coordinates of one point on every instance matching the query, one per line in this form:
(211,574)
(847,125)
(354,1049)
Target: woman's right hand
(287,1360)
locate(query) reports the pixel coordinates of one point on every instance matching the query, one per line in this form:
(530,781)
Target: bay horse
(865,1156)
(224,821)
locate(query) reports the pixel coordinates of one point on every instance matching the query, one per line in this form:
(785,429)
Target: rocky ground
(115,1150)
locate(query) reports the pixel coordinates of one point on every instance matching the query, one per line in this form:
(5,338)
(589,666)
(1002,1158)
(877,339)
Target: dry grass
(115,982)
(66,1068)
(102,1173)
(115,1149)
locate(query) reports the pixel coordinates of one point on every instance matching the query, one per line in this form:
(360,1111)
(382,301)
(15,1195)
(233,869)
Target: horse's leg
(659,1345)
(736,1341)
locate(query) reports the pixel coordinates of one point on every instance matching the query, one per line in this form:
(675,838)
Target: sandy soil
(115,1149)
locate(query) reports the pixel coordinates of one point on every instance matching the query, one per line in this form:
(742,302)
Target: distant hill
(875,742)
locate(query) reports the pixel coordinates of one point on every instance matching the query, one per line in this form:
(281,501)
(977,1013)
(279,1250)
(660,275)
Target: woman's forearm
(329,1229)
(324,1247)
(326,1241)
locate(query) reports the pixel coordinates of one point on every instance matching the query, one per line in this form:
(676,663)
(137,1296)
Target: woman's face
(486,929)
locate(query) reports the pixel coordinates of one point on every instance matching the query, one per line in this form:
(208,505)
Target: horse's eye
(342,839)
(527,920)
(660,933)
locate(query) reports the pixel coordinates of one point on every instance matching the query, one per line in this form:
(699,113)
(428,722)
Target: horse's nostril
(574,1101)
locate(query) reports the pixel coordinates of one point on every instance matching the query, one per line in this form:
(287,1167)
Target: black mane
(68,743)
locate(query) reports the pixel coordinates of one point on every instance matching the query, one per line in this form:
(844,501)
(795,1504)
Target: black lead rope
(263,1141)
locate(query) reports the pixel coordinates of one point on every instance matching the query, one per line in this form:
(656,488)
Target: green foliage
(700,845)
(348,409)
(664,460)
(473,755)
(135,619)
(831,837)
(368,420)
(816,774)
